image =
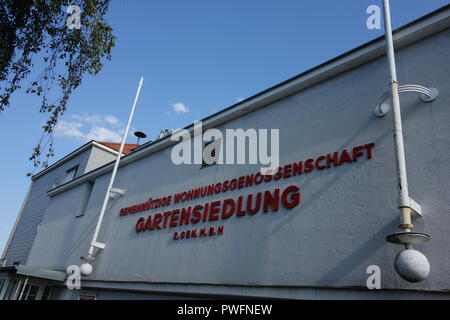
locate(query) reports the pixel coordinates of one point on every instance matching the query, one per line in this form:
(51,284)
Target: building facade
(88,157)
(311,231)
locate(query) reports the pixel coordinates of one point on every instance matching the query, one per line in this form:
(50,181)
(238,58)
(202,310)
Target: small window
(211,152)
(2,284)
(10,290)
(23,295)
(29,293)
(32,293)
(47,292)
(70,174)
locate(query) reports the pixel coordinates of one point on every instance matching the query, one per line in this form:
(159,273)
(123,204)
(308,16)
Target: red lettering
(214,210)
(278,174)
(297,168)
(318,165)
(258,178)
(258,203)
(178,197)
(157,220)
(225,185)
(197,216)
(140,225)
(205,212)
(249,180)
(166,218)
(369,147)
(228,202)
(345,157)
(357,152)
(294,199)
(309,166)
(268,176)
(185,215)
(149,224)
(174,218)
(241,182)
(271,200)
(210,190)
(240,212)
(287,171)
(334,160)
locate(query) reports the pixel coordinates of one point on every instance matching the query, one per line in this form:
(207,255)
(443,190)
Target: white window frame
(13,288)
(4,286)
(41,291)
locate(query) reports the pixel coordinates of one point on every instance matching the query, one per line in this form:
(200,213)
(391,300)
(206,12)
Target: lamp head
(412,265)
(86,269)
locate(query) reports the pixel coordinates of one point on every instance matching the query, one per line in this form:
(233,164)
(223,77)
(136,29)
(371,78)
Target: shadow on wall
(364,252)
(341,173)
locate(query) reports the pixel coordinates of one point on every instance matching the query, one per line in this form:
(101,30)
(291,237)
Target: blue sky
(197,58)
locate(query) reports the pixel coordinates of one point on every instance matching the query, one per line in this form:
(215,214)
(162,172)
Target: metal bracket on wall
(98,245)
(426,94)
(415,207)
(116,191)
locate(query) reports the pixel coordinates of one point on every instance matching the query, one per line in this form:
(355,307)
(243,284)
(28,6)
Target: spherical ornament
(86,269)
(412,265)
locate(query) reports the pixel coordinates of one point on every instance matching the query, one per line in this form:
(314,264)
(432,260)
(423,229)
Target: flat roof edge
(41,273)
(417,30)
(73,154)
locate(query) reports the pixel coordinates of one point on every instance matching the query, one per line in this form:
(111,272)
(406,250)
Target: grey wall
(98,158)
(337,231)
(38,201)
(61,293)
(35,207)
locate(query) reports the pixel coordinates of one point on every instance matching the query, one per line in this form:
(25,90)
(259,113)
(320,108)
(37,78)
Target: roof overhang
(35,272)
(73,154)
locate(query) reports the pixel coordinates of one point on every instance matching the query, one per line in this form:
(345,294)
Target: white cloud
(86,127)
(112,120)
(103,134)
(180,107)
(69,129)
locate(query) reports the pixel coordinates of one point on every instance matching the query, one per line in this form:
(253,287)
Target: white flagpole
(410,264)
(94,243)
(398,130)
